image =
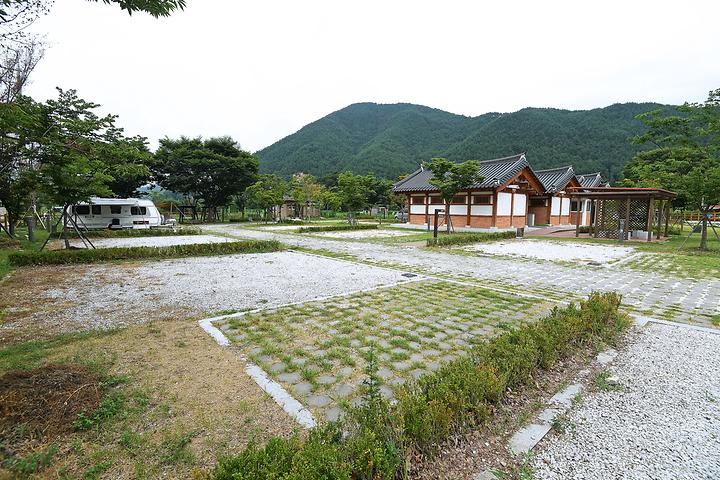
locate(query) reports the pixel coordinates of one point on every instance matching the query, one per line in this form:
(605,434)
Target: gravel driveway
(160,241)
(553,251)
(664,423)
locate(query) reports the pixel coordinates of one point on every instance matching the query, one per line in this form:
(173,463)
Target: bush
(461,394)
(61,257)
(135,232)
(465,238)
(336,228)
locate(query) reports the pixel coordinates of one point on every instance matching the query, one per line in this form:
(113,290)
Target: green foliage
(110,407)
(465,238)
(63,257)
(392,140)
(378,437)
(211,171)
(156,8)
(32,463)
(685,157)
(450,177)
(139,232)
(267,192)
(336,228)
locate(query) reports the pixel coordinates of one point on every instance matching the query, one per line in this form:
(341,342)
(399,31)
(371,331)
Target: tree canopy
(267,192)
(210,171)
(684,155)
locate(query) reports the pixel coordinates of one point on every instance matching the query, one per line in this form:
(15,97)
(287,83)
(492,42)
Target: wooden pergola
(636,208)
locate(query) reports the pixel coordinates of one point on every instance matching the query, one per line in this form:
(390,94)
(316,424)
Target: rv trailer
(116,213)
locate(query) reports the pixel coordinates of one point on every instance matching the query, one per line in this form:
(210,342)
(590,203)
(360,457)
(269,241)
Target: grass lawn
(8,246)
(318,350)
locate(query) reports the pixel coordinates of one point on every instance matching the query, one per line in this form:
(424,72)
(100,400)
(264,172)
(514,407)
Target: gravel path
(160,241)
(682,298)
(547,250)
(663,424)
(364,234)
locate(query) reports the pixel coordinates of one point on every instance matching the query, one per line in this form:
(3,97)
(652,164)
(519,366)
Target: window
(82,209)
(417,200)
(537,202)
(482,199)
(95,209)
(115,209)
(138,210)
(574,206)
(436,200)
(459,200)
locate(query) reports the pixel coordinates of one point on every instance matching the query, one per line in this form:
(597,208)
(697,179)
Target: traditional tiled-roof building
(553,206)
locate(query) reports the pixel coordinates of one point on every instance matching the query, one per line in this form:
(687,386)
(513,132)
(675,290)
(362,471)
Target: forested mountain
(391,140)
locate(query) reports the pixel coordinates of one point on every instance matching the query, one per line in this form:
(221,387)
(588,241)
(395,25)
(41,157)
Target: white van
(116,213)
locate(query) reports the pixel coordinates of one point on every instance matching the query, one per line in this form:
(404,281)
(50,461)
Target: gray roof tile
(589,180)
(555,179)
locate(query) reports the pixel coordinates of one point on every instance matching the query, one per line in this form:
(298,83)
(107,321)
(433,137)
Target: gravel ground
(72,298)
(364,234)
(662,423)
(545,250)
(162,241)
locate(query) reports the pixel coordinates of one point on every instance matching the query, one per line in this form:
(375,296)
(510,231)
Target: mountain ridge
(392,139)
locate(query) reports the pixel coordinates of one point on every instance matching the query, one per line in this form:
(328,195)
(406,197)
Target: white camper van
(116,213)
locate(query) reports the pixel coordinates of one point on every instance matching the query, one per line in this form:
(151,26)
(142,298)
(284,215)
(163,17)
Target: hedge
(336,228)
(62,257)
(376,439)
(465,238)
(134,232)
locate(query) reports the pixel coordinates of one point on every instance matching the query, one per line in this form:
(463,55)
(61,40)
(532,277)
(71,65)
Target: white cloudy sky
(260,70)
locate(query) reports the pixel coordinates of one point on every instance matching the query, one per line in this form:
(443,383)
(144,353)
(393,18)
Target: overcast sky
(260,70)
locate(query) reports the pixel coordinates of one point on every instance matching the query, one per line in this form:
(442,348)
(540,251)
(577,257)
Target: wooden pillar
(578,214)
(598,215)
(549,209)
(494,208)
(469,203)
(427,209)
(667,216)
(512,207)
(648,226)
(627,219)
(661,206)
(409,207)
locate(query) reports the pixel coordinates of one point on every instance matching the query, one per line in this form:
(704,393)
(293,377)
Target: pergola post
(661,209)
(578,214)
(469,203)
(667,216)
(649,224)
(626,232)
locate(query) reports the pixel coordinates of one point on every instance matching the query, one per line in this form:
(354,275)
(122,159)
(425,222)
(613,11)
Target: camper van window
(115,209)
(82,209)
(138,211)
(96,209)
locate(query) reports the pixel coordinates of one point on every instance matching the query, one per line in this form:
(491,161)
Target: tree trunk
(703,232)
(447,220)
(11,225)
(65,233)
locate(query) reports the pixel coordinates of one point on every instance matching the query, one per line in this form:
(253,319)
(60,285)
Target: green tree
(209,171)
(450,178)
(684,156)
(305,191)
(353,192)
(267,193)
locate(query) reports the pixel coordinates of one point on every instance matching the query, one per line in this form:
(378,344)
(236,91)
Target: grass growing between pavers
(317,350)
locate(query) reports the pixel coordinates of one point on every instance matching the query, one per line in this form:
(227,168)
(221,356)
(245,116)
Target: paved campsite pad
(553,251)
(41,301)
(317,350)
(159,241)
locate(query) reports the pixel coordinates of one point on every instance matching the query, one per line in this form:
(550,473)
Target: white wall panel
(520,204)
(417,209)
(555,208)
(458,209)
(565,206)
(484,210)
(503,206)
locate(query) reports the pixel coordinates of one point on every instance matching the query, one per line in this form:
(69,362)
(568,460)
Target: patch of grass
(95,470)
(62,257)
(466,238)
(135,232)
(715,320)
(175,448)
(336,228)
(32,463)
(601,382)
(110,407)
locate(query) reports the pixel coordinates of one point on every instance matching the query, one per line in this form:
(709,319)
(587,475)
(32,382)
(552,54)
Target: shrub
(61,257)
(135,232)
(336,228)
(374,439)
(465,238)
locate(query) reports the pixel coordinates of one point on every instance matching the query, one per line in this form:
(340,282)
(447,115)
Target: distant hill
(391,140)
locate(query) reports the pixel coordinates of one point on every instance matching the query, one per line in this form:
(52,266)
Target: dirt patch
(40,404)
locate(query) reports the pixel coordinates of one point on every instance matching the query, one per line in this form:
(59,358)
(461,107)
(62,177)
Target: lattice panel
(610,212)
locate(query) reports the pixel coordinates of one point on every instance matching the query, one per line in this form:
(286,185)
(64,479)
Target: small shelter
(498,201)
(553,207)
(292,209)
(637,212)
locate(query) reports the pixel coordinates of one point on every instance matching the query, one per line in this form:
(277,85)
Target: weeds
(336,228)
(465,238)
